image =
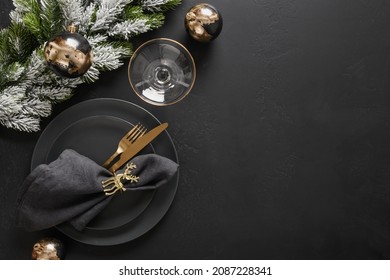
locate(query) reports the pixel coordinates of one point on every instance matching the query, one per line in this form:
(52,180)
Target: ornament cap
(72,28)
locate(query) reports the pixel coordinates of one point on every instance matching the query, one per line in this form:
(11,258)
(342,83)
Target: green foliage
(27,87)
(44,19)
(125,45)
(16,45)
(170,5)
(20,43)
(51,18)
(155,20)
(159,5)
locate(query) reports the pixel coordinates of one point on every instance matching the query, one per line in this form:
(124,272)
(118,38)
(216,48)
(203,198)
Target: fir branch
(21,122)
(42,18)
(16,44)
(4,47)
(64,83)
(10,100)
(14,93)
(132,12)
(16,16)
(92,75)
(36,107)
(51,18)
(129,28)
(109,56)
(159,5)
(96,39)
(108,12)
(137,23)
(35,68)
(31,16)
(54,94)
(21,43)
(28,89)
(75,12)
(125,46)
(11,73)
(25,6)
(72,10)
(89,17)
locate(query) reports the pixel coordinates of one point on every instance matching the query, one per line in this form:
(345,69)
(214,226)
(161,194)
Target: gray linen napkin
(70,189)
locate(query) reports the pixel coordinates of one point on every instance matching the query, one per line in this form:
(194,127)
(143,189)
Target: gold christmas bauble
(48,249)
(68,54)
(203,22)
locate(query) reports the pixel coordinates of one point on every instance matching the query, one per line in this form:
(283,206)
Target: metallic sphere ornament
(203,22)
(48,249)
(68,54)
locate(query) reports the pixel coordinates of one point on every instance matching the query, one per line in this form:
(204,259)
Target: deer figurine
(114,184)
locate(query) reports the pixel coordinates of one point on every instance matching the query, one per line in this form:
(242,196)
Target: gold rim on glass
(184,50)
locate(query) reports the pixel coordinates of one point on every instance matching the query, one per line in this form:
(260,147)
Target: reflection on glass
(161,71)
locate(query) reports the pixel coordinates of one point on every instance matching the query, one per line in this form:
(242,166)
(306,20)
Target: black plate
(93,128)
(93,137)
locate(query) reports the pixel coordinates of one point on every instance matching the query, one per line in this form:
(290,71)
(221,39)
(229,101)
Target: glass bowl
(162,71)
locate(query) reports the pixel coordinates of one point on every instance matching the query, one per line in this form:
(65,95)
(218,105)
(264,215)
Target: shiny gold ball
(68,54)
(48,249)
(203,22)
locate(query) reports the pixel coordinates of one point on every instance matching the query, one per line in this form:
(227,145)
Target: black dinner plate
(94,137)
(93,128)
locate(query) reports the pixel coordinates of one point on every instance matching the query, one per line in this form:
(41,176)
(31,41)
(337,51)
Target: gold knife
(137,146)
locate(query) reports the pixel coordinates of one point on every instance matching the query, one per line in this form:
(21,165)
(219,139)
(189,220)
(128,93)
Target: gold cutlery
(137,146)
(133,134)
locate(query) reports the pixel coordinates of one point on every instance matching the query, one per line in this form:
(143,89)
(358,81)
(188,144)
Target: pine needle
(28,89)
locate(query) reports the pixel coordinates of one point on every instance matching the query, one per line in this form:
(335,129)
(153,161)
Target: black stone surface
(284,141)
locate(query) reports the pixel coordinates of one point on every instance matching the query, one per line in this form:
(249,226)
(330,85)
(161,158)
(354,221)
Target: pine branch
(108,12)
(132,12)
(21,42)
(28,89)
(21,122)
(159,5)
(137,22)
(75,12)
(11,73)
(96,39)
(108,57)
(10,100)
(154,20)
(92,75)
(72,10)
(35,107)
(35,68)
(51,18)
(31,16)
(51,93)
(129,28)
(25,6)
(60,82)
(16,43)
(42,18)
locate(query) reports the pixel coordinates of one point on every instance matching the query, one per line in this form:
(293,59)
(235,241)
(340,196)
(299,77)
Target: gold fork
(133,134)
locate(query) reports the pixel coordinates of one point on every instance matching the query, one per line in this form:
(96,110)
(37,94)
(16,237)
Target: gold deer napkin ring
(116,183)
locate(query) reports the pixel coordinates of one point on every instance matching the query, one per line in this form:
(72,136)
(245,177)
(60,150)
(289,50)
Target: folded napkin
(74,188)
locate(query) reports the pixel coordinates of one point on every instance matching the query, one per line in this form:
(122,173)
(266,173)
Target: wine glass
(162,71)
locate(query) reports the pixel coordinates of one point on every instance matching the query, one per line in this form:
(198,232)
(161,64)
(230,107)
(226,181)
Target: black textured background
(284,141)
